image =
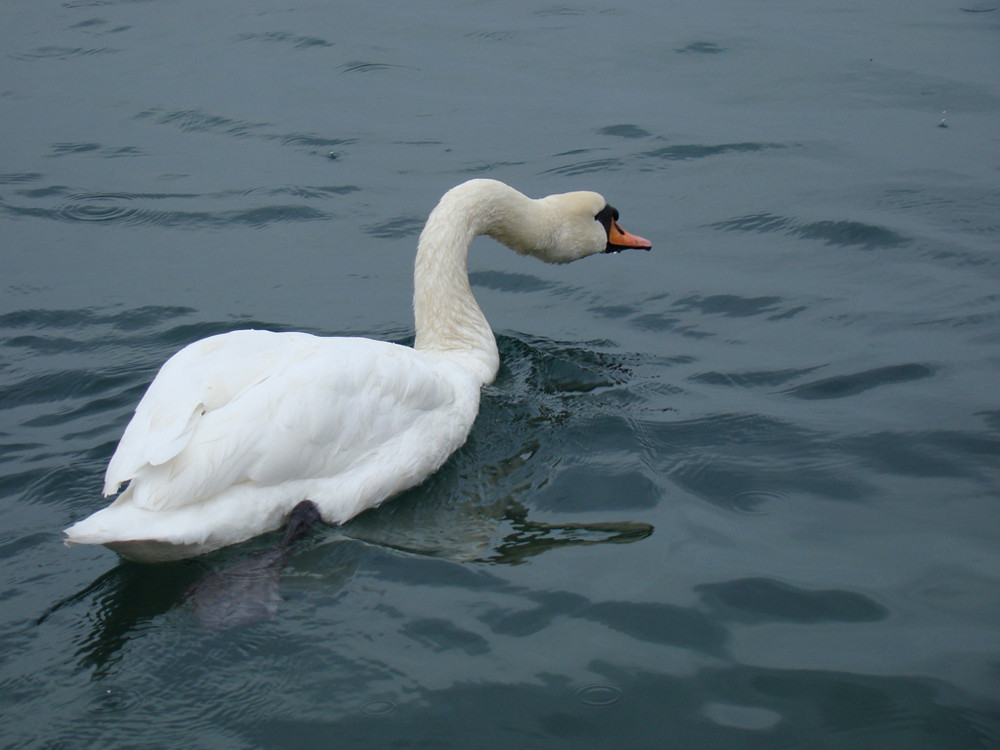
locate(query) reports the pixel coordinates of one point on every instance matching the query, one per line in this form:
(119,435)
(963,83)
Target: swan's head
(580,224)
(557,229)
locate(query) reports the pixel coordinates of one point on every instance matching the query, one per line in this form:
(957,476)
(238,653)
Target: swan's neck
(448,319)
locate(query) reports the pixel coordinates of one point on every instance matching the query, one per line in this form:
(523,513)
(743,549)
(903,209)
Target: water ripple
(586,167)
(757,502)
(106,152)
(624,131)
(116,699)
(308,139)
(684,152)
(851,384)
(120,207)
(729,305)
(16,178)
(380,707)
(62,53)
(394,229)
(831,232)
(285,37)
(752,378)
(599,694)
(722,457)
(366,67)
(929,453)
(199,121)
(489,166)
(767,600)
(701,48)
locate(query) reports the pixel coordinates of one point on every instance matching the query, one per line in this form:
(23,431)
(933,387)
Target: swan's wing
(199,379)
(314,414)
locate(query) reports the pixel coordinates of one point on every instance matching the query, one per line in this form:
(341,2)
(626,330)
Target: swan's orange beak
(619,239)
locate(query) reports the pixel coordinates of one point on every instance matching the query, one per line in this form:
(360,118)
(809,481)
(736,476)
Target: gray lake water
(738,492)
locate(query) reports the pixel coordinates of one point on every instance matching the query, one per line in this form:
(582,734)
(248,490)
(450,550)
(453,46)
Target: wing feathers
(266,408)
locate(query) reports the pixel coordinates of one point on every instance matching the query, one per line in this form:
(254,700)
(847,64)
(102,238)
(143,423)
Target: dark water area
(739,492)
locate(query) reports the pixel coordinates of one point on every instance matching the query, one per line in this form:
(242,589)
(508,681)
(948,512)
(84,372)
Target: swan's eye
(607,216)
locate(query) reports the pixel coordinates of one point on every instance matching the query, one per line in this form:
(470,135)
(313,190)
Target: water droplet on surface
(379,707)
(756,502)
(113,699)
(599,694)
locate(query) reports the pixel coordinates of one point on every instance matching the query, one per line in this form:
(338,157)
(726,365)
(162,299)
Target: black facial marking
(607,215)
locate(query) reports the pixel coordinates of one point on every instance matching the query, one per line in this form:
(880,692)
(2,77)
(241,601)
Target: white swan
(238,428)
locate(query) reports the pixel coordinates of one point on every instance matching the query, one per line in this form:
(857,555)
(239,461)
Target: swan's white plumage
(344,421)
(238,428)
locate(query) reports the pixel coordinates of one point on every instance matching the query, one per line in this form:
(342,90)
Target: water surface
(737,492)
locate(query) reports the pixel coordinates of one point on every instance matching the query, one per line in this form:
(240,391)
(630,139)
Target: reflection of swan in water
(530,538)
(123,600)
(477,508)
(499,532)
(128,596)
(248,591)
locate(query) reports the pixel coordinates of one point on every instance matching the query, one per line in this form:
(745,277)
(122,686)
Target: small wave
(559,10)
(768,600)
(17,178)
(842,233)
(586,167)
(199,121)
(505,281)
(624,131)
(313,141)
(708,456)
(98,207)
(928,453)
(366,67)
(852,384)
(701,48)
(489,166)
(62,149)
(285,37)
(62,53)
(403,226)
(311,191)
(660,623)
(729,305)
(58,319)
(685,152)
(107,152)
(45,192)
(597,491)
(548,367)
(58,386)
(752,378)
(851,233)
(957,209)
(121,208)
(493,36)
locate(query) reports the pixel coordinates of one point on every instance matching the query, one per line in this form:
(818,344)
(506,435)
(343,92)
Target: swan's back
(238,428)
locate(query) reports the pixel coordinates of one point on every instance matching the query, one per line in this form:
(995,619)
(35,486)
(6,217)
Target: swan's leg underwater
(303,517)
(247,592)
